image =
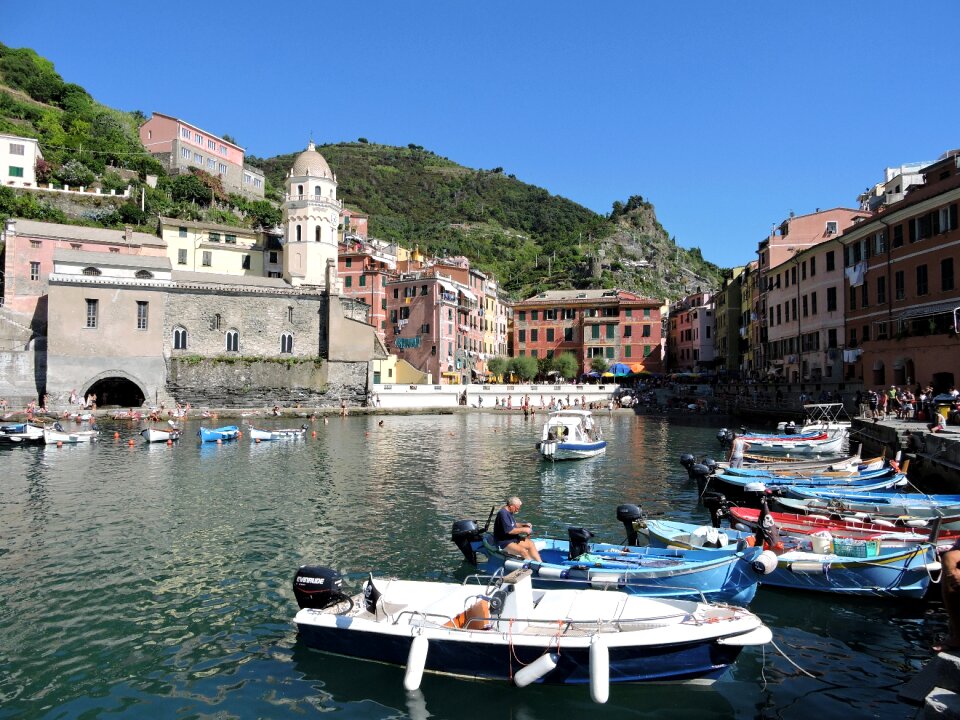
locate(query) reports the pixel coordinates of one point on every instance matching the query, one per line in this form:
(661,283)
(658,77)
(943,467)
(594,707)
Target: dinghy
(227,432)
(257,434)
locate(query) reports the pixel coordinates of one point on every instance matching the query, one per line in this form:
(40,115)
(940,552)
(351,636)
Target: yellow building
(211,248)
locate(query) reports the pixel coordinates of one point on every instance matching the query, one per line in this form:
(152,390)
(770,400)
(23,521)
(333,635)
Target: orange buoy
(313,434)
(59,443)
(130,441)
(240,434)
(169,442)
(257,441)
(116,436)
(219,441)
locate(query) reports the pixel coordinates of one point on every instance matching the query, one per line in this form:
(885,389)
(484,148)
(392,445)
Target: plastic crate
(851,547)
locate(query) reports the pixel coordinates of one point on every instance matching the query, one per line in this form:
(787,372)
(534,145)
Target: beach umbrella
(620,369)
(607,374)
(637,367)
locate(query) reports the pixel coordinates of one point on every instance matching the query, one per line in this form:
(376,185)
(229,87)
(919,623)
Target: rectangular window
(182,232)
(425,329)
(609,353)
(864,298)
(550,334)
(627,331)
(922,280)
(182,256)
(521,335)
(273,257)
(534,335)
(534,314)
(245,262)
(853,337)
(34,271)
(211,144)
(207,258)
(866,333)
(197,139)
(779,317)
(813,303)
(15,171)
(36,244)
(806,309)
(91,313)
(568,334)
(197,157)
(647,349)
(946,274)
(211,163)
(215,237)
(185,153)
(898,236)
(831,299)
(803,270)
(595,332)
(522,316)
(881,290)
(611,329)
(830,261)
(853,298)
(626,351)
(646,331)
(142,310)
(348,281)
(16,148)
(832,338)
(899,285)
(185,133)
(793,304)
(363,281)
(223,169)
(230,239)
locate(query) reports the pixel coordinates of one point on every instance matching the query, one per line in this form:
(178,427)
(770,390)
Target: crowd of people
(903,403)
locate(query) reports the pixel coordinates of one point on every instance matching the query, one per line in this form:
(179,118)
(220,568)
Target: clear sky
(727,116)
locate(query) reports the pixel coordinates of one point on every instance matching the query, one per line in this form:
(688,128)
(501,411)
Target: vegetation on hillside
(531,240)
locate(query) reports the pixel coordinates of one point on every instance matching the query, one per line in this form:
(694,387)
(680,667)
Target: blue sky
(727,116)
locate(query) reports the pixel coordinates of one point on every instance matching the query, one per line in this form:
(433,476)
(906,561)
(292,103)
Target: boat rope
(817,677)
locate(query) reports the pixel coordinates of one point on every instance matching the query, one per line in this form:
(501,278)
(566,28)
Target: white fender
(765,562)
(808,567)
(599,670)
(416,660)
(549,572)
(932,567)
(536,670)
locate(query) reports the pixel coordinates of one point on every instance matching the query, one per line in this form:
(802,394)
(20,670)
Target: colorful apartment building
(616,325)
(365,268)
(751,331)
(180,146)
(690,338)
(213,248)
(727,343)
(18,161)
(805,316)
(901,292)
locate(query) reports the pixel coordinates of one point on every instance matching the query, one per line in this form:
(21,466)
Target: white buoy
(550,572)
(416,660)
(599,670)
(536,670)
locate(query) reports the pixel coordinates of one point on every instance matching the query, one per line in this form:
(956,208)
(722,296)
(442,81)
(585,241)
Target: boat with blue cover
(879,503)
(577,562)
(21,433)
(505,629)
(227,432)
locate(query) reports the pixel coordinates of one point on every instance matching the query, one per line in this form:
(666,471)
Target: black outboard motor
(688,461)
(701,473)
(717,504)
(579,541)
(464,533)
(628,515)
(767,532)
(710,463)
(317,587)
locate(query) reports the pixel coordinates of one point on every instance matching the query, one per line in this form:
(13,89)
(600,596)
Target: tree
(544,366)
(190,188)
(566,364)
(598,364)
(75,173)
(497,365)
(524,367)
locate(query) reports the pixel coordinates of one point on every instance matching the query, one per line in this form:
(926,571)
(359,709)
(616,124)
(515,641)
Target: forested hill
(531,240)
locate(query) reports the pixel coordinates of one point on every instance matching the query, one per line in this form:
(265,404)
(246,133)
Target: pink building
(179,146)
(354,224)
(690,338)
(29,247)
(365,270)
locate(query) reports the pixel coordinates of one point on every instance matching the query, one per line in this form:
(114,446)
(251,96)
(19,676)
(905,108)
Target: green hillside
(531,240)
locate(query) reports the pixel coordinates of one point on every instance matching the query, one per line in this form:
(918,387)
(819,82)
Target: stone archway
(116,387)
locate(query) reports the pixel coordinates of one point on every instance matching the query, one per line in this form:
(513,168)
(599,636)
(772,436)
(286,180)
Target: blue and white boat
(507,630)
(739,486)
(571,435)
(891,570)
(879,503)
(730,577)
(258,435)
(21,433)
(227,432)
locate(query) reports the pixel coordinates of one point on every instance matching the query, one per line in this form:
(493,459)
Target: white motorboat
(571,435)
(510,631)
(21,433)
(160,435)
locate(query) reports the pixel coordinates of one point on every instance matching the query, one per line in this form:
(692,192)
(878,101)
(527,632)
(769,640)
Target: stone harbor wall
(23,376)
(257,383)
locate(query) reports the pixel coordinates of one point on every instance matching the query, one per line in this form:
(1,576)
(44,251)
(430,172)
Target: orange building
(901,293)
(615,325)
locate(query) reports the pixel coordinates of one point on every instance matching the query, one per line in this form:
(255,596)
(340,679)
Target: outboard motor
(579,541)
(464,533)
(768,535)
(717,504)
(688,461)
(628,515)
(701,473)
(723,436)
(711,464)
(317,587)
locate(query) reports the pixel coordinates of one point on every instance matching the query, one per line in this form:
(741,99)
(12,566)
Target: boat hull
(53,437)
(572,451)
(228,432)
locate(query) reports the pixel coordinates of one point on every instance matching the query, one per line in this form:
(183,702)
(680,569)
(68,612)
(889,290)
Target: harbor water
(155,581)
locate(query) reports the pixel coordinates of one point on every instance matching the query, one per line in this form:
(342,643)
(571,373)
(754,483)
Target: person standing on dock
(738,448)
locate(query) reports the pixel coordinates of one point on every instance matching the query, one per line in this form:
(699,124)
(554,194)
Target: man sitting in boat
(513,537)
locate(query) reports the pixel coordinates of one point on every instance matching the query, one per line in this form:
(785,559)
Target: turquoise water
(155,581)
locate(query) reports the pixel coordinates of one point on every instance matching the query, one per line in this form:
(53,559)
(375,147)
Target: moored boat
(507,630)
(571,435)
(160,435)
(227,432)
(256,434)
(57,435)
(21,433)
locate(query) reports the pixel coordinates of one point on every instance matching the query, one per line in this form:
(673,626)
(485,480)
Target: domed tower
(311,214)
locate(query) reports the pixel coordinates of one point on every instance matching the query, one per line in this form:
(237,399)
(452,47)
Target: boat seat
(578,606)
(475,617)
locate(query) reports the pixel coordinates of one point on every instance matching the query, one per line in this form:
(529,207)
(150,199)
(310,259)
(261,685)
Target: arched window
(179,338)
(233,341)
(144,275)
(298,233)
(317,233)
(286,343)
(215,323)
(316,191)
(91,271)
(300,190)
